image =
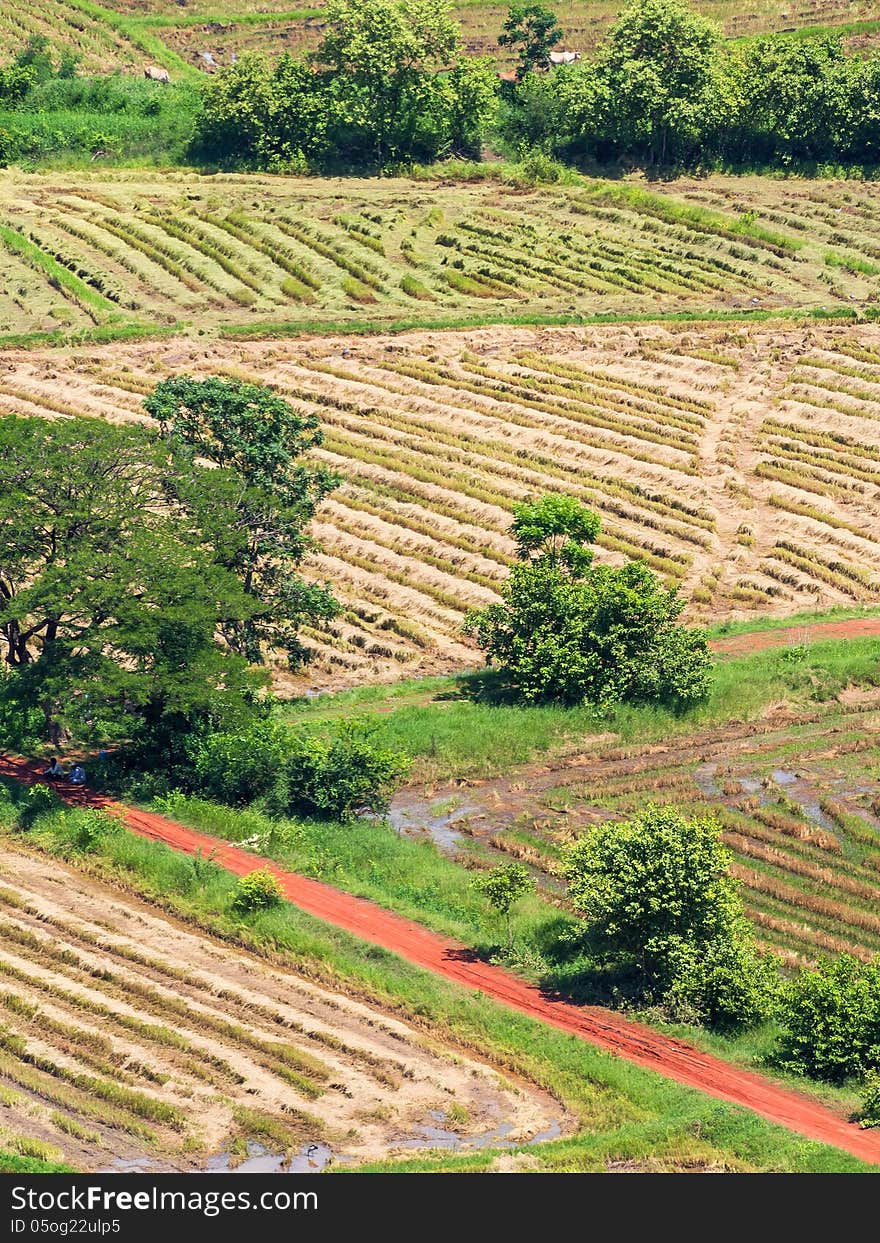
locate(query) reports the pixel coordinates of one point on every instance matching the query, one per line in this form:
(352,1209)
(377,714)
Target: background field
(175,248)
(191,36)
(740,462)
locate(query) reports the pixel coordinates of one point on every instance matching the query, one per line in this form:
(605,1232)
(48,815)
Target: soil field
(234,252)
(131,1043)
(207,34)
(600,1027)
(740,462)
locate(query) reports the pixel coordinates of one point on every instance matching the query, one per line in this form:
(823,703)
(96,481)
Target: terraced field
(128,1042)
(203,36)
(740,462)
(175,248)
(795,793)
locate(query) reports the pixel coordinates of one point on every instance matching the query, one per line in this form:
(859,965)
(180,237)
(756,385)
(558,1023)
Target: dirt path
(456,962)
(789,636)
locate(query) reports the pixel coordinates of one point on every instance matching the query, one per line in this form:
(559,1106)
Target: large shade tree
(110,602)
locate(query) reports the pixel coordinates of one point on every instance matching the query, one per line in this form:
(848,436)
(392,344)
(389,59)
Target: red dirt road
(454,961)
(790,636)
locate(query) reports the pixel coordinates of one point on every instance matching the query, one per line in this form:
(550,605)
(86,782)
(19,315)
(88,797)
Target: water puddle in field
(440,1137)
(419,818)
(134,1165)
(797,789)
(706,781)
(311,1159)
(314,1158)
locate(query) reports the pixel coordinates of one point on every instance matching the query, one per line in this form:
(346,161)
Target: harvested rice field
(794,791)
(233,254)
(739,461)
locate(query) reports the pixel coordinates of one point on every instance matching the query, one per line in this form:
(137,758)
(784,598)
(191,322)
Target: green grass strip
(57,273)
(132,31)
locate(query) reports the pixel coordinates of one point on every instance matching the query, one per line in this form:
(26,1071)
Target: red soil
(454,961)
(757,640)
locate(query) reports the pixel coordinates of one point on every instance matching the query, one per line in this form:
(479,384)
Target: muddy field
(129,1042)
(796,794)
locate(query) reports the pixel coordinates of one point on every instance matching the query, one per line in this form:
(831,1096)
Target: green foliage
(258,891)
(38,800)
(725,984)
(88,828)
(111,603)
(554,530)
(665,90)
(532,31)
(648,884)
(239,768)
(831,1020)
(568,631)
(657,895)
(660,79)
(503,886)
(236,448)
(48,110)
(387,84)
(344,772)
(869,1114)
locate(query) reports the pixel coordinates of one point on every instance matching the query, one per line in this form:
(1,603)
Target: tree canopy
(533,32)
(239,473)
(657,896)
(110,602)
(388,83)
(568,630)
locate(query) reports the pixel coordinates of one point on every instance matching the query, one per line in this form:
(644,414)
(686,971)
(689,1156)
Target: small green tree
(504,886)
(650,883)
(570,631)
(661,71)
(257,891)
(533,31)
(239,766)
(657,896)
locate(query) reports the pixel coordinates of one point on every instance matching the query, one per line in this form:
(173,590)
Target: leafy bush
(831,1020)
(504,886)
(658,899)
(345,772)
(87,828)
(38,799)
(652,884)
(570,631)
(257,891)
(238,768)
(869,1114)
(725,984)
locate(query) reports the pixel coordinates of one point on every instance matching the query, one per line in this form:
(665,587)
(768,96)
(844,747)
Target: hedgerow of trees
(388,83)
(666,89)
